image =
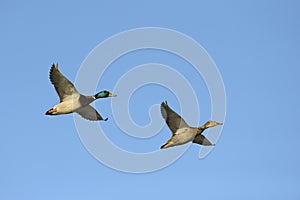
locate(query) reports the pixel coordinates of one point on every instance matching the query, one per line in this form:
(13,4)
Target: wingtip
(55,65)
(164,103)
(105,119)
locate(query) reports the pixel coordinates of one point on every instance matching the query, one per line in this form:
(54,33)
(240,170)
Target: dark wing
(89,113)
(173,120)
(201,139)
(63,86)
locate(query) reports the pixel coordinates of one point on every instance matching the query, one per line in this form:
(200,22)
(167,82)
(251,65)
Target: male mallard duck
(181,131)
(71,100)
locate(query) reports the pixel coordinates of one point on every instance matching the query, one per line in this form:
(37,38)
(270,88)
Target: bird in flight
(71,100)
(181,132)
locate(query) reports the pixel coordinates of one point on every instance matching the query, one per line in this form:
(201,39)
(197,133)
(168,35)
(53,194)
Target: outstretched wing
(62,85)
(89,113)
(173,120)
(201,139)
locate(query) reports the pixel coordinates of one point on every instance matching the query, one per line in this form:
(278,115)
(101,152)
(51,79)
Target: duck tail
(51,112)
(167,145)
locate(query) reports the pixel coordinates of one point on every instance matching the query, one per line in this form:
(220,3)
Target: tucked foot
(51,112)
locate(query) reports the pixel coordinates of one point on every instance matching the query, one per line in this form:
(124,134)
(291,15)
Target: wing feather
(62,85)
(89,113)
(201,139)
(173,120)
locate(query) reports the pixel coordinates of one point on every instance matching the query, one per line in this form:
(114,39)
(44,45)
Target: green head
(104,94)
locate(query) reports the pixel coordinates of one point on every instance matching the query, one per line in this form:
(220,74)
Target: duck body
(71,100)
(181,132)
(181,136)
(71,104)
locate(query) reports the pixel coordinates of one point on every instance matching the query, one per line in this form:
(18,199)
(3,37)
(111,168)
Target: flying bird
(181,132)
(71,100)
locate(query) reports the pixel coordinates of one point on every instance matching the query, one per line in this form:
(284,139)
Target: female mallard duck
(71,100)
(181,131)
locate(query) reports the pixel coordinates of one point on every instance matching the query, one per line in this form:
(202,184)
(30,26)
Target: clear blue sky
(255,45)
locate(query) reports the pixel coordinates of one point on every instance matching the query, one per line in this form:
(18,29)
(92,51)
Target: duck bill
(112,95)
(219,123)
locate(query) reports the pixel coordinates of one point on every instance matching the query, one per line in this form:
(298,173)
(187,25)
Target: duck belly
(183,136)
(66,107)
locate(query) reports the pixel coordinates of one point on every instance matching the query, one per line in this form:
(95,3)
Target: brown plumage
(181,131)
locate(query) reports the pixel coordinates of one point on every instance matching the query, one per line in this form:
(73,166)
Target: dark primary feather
(173,120)
(62,85)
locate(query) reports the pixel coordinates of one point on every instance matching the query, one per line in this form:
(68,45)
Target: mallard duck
(181,132)
(71,100)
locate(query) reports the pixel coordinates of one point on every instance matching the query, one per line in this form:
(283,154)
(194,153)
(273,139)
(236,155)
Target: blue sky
(255,46)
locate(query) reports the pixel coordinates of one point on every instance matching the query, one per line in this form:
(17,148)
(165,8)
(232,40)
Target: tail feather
(163,146)
(51,112)
(167,145)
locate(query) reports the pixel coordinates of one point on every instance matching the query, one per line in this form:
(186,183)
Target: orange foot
(51,111)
